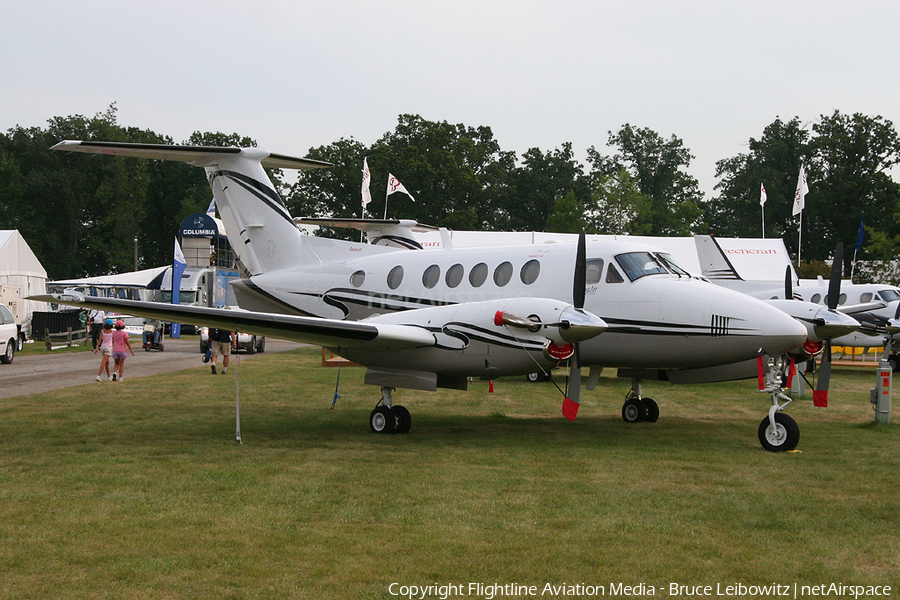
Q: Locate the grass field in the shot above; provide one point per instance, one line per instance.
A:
(138, 489)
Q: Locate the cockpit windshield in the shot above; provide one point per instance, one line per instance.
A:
(640, 264)
(889, 295)
(672, 264)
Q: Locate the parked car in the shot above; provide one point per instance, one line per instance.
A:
(9, 334)
(251, 344)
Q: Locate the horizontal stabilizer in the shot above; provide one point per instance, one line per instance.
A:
(195, 155)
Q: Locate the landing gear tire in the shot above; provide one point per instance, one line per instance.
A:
(634, 411)
(652, 409)
(402, 419)
(536, 377)
(783, 437)
(382, 420)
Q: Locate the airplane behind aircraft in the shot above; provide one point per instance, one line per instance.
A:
(875, 306)
(423, 320)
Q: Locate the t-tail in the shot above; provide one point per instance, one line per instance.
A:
(259, 226)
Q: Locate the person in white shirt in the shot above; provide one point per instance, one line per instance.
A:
(95, 319)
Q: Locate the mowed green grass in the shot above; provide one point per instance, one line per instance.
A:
(138, 489)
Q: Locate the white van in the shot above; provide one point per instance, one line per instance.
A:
(9, 334)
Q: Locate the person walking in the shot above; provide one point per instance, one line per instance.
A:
(95, 319)
(221, 341)
(121, 347)
(105, 348)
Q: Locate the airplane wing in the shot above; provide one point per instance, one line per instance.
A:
(312, 330)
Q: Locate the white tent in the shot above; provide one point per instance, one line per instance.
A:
(21, 275)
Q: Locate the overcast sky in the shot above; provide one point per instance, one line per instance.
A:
(295, 74)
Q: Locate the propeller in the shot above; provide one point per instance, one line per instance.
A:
(788, 284)
(820, 394)
(573, 399)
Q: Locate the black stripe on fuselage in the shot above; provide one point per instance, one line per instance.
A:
(377, 299)
(657, 328)
(264, 193)
(401, 241)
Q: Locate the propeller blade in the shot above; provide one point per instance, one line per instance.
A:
(820, 394)
(580, 278)
(573, 398)
(788, 283)
(578, 330)
(837, 269)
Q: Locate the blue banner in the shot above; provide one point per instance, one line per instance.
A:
(178, 266)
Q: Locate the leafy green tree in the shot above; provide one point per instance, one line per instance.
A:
(332, 192)
(617, 205)
(453, 172)
(567, 216)
(847, 159)
(849, 173)
(658, 166)
(535, 186)
(79, 215)
(774, 161)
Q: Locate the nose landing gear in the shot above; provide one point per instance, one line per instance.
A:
(778, 432)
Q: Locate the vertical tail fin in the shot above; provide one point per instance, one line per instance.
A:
(259, 226)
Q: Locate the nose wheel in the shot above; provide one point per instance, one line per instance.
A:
(778, 432)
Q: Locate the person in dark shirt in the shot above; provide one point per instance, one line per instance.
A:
(221, 341)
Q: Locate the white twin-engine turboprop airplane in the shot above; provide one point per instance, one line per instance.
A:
(424, 320)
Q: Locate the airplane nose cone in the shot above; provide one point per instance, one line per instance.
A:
(831, 324)
(782, 333)
(582, 325)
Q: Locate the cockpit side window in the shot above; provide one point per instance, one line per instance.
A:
(594, 271)
(613, 275)
(639, 264)
(888, 295)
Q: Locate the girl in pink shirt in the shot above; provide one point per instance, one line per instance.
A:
(121, 347)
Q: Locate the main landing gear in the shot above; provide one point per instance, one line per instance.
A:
(637, 408)
(389, 418)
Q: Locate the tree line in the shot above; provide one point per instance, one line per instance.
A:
(81, 214)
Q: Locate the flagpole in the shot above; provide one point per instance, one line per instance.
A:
(762, 204)
(764, 221)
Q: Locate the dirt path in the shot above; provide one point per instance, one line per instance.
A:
(33, 374)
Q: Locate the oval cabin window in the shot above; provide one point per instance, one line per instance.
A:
(395, 277)
(454, 275)
(431, 276)
(478, 275)
(503, 273)
(530, 272)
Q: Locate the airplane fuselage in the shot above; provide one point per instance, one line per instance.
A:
(656, 318)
